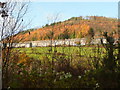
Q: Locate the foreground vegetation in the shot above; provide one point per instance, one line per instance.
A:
(62, 67)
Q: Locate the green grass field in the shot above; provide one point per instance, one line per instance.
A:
(39, 52)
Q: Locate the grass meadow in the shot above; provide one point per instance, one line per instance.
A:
(39, 52)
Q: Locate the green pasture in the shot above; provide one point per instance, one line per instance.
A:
(39, 52)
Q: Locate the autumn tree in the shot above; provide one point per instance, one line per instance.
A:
(73, 35)
(90, 35)
(91, 32)
(64, 35)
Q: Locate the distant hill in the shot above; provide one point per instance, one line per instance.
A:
(75, 27)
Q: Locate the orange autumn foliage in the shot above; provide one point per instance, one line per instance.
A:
(79, 27)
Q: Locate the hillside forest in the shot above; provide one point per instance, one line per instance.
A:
(75, 27)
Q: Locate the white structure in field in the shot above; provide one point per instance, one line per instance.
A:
(69, 42)
(83, 41)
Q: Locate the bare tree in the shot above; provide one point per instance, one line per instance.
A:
(50, 35)
(53, 20)
(11, 15)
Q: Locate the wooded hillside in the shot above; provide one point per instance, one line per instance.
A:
(75, 27)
